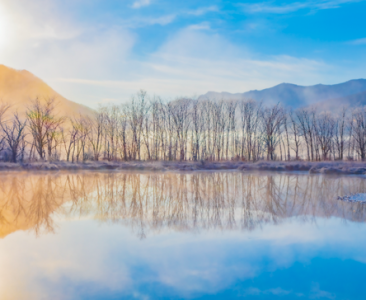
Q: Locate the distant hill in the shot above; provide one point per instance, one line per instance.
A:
(355, 100)
(19, 88)
(349, 93)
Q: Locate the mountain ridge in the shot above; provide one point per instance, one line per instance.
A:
(295, 96)
(19, 87)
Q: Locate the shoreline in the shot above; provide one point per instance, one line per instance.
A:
(331, 167)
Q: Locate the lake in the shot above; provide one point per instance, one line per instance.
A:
(203, 235)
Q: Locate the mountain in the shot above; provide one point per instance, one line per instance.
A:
(349, 93)
(355, 100)
(19, 88)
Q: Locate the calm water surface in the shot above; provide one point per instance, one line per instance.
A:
(222, 235)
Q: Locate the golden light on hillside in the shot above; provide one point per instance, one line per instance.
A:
(20, 88)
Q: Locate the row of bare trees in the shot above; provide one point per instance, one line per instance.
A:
(183, 129)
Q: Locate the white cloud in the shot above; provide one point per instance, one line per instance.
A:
(203, 10)
(140, 3)
(37, 20)
(193, 62)
(50, 45)
(148, 21)
(169, 18)
(358, 42)
(274, 292)
(163, 20)
(136, 22)
(317, 293)
(91, 54)
(40, 267)
(201, 26)
(268, 7)
(90, 63)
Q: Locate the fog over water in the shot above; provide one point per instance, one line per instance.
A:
(114, 235)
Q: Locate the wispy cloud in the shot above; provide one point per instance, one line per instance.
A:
(269, 7)
(140, 3)
(192, 63)
(317, 293)
(277, 292)
(98, 60)
(203, 10)
(200, 26)
(358, 42)
(147, 21)
(163, 20)
(167, 19)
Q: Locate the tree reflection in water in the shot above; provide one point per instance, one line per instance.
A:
(180, 201)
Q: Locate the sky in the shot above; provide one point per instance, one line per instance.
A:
(104, 51)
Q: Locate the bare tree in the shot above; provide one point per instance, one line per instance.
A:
(15, 137)
(3, 108)
(250, 113)
(296, 135)
(43, 125)
(359, 131)
(340, 128)
(272, 119)
(197, 128)
(95, 134)
(137, 111)
(69, 138)
(179, 110)
(324, 128)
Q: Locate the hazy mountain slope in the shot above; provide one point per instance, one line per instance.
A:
(355, 100)
(295, 96)
(19, 88)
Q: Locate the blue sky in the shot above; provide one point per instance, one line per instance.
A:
(104, 51)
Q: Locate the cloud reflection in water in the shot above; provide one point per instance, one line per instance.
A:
(170, 235)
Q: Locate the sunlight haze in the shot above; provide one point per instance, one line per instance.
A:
(104, 51)
(172, 150)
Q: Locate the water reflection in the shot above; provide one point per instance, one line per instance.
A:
(182, 202)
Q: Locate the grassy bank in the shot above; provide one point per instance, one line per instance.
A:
(332, 167)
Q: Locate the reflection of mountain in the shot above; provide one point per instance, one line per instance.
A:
(179, 201)
(27, 202)
(19, 88)
(350, 93)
